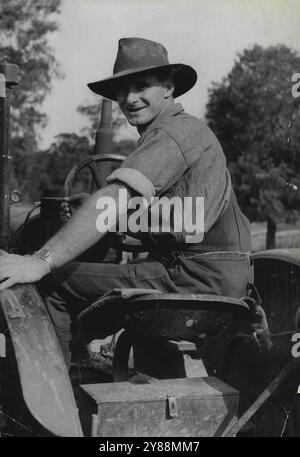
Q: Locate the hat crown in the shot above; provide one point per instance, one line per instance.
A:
(134, 53)
(137, 55)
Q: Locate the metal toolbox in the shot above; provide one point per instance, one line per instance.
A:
(186, 407)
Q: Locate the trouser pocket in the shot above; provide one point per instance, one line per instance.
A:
(214, 274)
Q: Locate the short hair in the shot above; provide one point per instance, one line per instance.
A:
(167, 74)
(164, 74)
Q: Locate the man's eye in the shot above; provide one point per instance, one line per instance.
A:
(120, 93)
(141, 86)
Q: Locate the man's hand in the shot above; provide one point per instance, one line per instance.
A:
(70, 204)
(16, 269)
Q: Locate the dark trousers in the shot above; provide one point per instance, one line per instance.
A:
(69, 290)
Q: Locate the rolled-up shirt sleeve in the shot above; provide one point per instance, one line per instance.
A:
(153, 167)
(135, 180)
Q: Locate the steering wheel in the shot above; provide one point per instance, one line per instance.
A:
(115, 239)
(90, 163)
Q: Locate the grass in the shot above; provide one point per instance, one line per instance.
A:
(280, 226)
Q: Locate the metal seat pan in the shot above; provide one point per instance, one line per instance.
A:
(182, 316)
(193, 301)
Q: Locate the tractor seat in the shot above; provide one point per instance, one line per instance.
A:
(151, 313)
(182, 316)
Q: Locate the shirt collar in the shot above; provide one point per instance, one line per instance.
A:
(172, 110)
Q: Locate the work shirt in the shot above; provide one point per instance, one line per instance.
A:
(179, 156)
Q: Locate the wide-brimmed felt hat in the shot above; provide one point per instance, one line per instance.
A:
(138, 55)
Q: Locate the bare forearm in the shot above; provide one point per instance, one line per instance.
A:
(81, 232)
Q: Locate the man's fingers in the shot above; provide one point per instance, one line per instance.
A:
(3, 274)
(65, 206)
(70, 204)
(4, 271)
(6, 284)
(9, 271)
(65, 216)
(21, 269)
(64, 212)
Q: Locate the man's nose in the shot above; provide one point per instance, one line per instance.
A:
(131, 97)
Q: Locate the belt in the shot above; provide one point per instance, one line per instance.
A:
(169, 257)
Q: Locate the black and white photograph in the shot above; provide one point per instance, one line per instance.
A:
(149, 221)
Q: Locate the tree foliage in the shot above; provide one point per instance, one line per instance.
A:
(44, 172)
(24, 30)
(67, 150)
(25, 27)
(257, 121)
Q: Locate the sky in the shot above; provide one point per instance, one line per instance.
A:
(206, 34)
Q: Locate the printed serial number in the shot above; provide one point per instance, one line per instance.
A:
(170, 446)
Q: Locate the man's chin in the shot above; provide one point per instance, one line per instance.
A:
(136, 122)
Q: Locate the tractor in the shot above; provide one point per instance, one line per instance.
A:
(177, 365)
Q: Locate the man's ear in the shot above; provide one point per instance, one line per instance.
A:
(169, 85)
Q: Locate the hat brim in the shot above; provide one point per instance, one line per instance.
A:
(185, 78)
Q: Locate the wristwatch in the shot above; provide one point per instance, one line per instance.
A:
(45, 255)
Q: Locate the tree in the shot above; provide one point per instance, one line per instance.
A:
(256, 119)
(24, 29)
(46, 171)
(66, 151)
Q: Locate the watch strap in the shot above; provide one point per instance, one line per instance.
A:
(45, 255)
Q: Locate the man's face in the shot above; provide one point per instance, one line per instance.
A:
(142, 98)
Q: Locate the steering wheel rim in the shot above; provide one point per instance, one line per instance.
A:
(86, 163)
(114, 240)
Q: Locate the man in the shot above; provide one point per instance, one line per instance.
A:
(177, 156)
